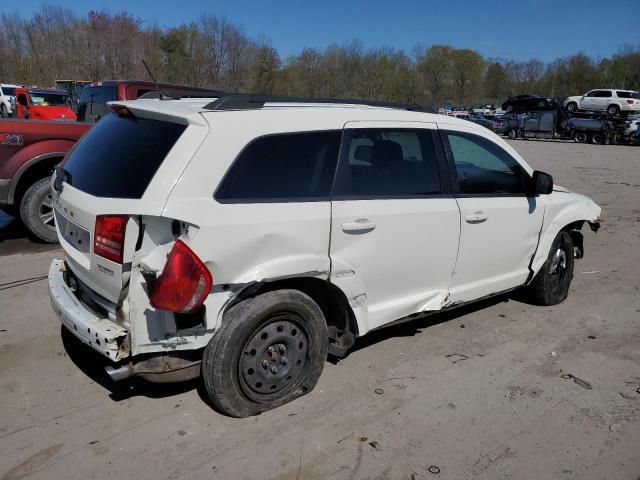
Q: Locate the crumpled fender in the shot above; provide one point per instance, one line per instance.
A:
(562, 208)
(291, 266)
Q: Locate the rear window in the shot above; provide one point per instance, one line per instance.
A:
(623, 94)
(119, 156)
(92, 104)
(283, 167)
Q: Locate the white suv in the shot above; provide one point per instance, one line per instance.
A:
(612, 101)
(7, 99)
(242, 238)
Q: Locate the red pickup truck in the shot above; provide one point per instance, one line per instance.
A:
(29, 152)
(42, 104)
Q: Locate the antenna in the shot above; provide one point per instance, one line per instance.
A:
(163, 95)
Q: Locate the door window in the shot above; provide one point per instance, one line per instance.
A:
(283, 167)
(22, 100)
(603, 93)
(389, 162)
(482, 167)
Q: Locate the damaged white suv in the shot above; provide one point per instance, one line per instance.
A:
(243, 238)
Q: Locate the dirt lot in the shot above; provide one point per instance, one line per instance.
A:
(477, 393)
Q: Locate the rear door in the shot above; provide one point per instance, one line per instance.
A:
(109, 173)
(395, 225)
(500, 224)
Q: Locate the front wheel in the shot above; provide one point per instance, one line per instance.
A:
(551, 284)
(36, 211)
(572, 106)
(3, 112)
(269, 351)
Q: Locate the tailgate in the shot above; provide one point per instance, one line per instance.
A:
(124, 167)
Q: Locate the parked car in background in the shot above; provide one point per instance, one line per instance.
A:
(632, 125)
(29, 151)
(7, 99)
(493, 125)
(92, 104)
(612, 101)
(42, 104)
(526, 102)
(241, 239)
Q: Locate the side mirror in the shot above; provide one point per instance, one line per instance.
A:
(541, 183)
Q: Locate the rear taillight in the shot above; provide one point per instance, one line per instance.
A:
(108, 239)
(184, 283)
(630, 102)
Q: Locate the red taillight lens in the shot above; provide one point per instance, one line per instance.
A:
(108, 239)
(184, 283)
(630, 102)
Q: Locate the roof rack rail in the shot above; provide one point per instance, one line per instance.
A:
(241, 101)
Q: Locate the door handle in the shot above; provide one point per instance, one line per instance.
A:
(476, 217)
(362, 225)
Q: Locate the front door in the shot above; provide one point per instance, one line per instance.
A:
(500, 224)
(395, 226)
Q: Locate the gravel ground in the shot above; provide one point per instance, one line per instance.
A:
(475, 393)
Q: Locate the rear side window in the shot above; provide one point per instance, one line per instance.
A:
(283, 167)
(623, 94)
(92, 104)
(389, 162)
(119, 156)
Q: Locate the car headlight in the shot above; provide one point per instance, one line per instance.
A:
(12, 101)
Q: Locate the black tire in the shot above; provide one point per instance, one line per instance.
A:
(36, 211)
(613, 110)
(243, 376)
(572, 106)
(551, 284)
(512, 134)
(597, 139)
(580, 137)
(3, 111)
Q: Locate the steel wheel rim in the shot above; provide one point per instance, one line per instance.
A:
(274, 357)
(558, 269)
(45, 212)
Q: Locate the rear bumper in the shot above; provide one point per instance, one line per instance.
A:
(101, 334)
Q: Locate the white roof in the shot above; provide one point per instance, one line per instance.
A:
(332, 115)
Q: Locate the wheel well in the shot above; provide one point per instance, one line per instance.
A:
(35, 172)
(341, 321)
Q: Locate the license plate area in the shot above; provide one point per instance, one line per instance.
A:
(78, 237)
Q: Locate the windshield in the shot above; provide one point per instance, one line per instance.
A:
(43, 99)
(9, 91)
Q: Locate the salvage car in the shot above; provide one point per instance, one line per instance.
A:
(318, 222)
(7, 99)
(612, 101)
(526, 102)
(94, 97)
(42, 104)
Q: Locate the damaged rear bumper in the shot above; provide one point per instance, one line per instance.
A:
(111, 340)
(101, 334)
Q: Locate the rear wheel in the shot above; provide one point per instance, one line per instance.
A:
(613, 110)
(269, 351)
(597, 138)
(551, 284)
(512, 134)
(36, 211)
(580, 137)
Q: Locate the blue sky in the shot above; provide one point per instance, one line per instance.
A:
(519, 30)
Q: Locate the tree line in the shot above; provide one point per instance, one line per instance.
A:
(213, 52)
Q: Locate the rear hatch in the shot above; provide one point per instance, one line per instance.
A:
(122, 170)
